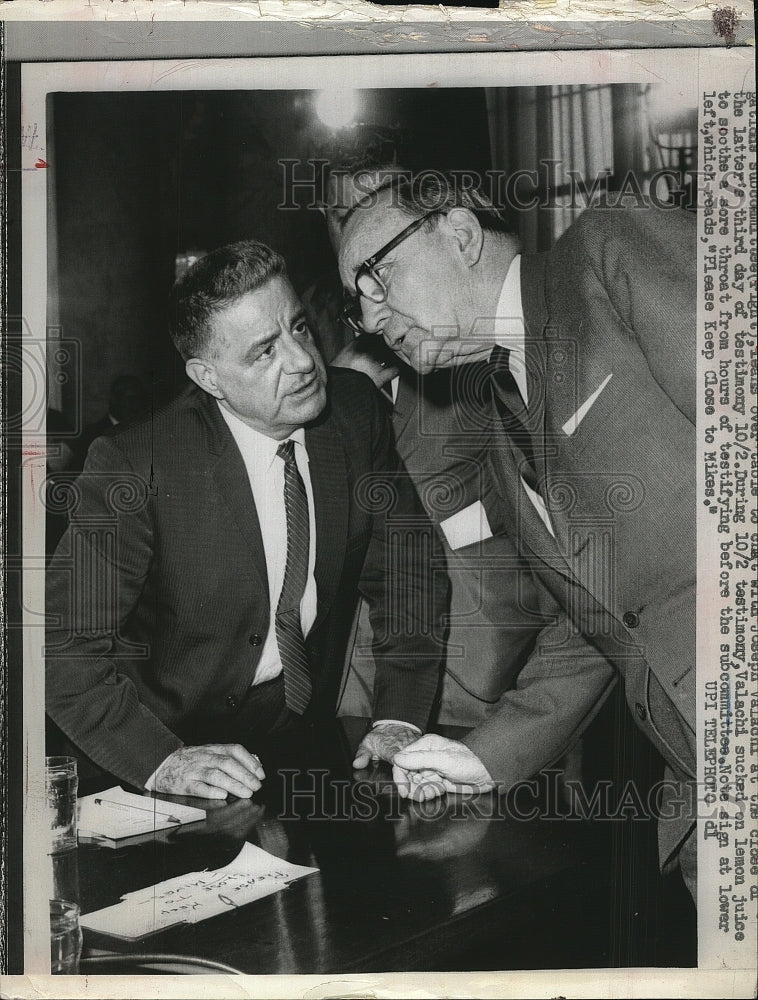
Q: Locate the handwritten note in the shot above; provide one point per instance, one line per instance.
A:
(196, 896)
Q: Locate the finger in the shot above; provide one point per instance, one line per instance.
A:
(203, 790)
(402, 782)
(418, 760)
(236, 771)
(459, 789)
(220, 778)
(432, 787)
(428, 790)
(368, 749)
(425, 775)
(423, 792)
(248, 760)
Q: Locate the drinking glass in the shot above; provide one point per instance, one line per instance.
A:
(61, 784)
(65, 938)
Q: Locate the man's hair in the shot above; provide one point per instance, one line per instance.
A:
(367, 170)
(430, 190)
(213, 283)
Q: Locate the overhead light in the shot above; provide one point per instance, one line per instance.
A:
(337, 108)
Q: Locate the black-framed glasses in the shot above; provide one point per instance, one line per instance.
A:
(368, 284)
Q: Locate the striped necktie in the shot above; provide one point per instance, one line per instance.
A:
(289, 629)
(513, 413)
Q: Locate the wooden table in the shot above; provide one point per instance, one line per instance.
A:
(449, 885)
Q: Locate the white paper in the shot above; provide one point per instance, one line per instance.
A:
(196, 896)
(115, 813)
(467, 526)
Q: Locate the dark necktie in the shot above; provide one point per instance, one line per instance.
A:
(289, 629)
(510, 407)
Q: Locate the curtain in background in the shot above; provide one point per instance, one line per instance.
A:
(594, 131)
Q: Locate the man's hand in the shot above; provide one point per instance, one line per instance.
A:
(435, 764)
(368, 354)
(211, 772)
(382, 743)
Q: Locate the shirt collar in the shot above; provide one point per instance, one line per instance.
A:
(509, 318)
(509, 324)
(259, 447)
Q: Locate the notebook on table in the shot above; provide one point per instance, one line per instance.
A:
(114, 817)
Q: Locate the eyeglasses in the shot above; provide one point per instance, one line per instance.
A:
(368, 284)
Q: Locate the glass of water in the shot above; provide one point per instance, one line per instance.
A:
(65, 938)
(61, 784)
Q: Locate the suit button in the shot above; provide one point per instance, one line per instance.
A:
(631, 619)
(255, 639)
(641, 713)
(231, 701)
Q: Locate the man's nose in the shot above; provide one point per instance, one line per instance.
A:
(375, 315)
(297, 357)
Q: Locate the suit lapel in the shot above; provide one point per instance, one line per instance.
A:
(233, 483)
(326, 458)
(405, 404)
(535, 347)
(529, 527)
(558, 377)
(551, 381)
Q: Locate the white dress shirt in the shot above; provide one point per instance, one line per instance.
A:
(510, 332)
(265, 470)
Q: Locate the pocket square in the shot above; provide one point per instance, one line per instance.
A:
(573, 421)
(467, 526)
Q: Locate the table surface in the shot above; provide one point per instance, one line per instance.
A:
(454, 884)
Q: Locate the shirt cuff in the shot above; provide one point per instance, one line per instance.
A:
(396, 722)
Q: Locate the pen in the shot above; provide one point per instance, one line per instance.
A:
(123, 806)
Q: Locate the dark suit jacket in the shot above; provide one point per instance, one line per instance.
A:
(610, 317)
(94, 430)
(158, 600)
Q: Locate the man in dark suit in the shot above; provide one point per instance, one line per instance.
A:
(128, 400)
(200, 603)
(592, 354)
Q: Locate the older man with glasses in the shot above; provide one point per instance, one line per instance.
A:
(443, 434)
(591, 349)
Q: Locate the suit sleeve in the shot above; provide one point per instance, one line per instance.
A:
(559, 691)
(93, 584)
(405, 583)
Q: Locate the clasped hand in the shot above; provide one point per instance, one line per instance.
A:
(426, 767)
(433, 765)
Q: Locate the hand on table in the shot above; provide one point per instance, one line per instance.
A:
(435, 765)
(383, 742)
(365, 354)
(210, 772)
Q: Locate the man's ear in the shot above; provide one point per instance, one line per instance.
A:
(467, 232)
(203, 373)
